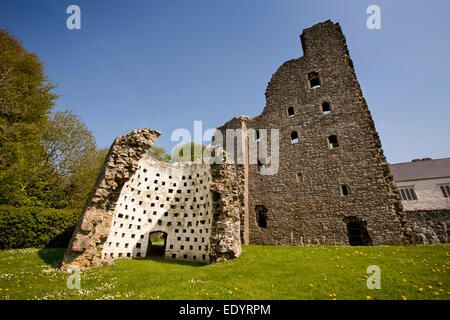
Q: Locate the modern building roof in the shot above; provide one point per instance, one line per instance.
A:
(420, 169)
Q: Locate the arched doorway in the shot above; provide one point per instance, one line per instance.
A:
(156, 247)
(357, 232)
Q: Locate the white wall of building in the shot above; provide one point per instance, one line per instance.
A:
(429, 195)
(162, 197)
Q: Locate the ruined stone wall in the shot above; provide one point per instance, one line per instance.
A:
(93, 227)
(304, 199)
(241, 170)
(173, 198)
(303, 202)
(136, 196)
(226, 209)
(430, 226)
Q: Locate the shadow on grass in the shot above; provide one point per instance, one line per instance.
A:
(177, 262)
(53, 252)
(52, 256)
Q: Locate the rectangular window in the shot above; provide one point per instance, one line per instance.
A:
(258, 137)
(294, 137)
(314, 80)
(290, 111)
(408, 194)
(345, 190)
(326, 107)
(445, 190)
(333, 142)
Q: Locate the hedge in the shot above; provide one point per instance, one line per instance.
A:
(36, 227)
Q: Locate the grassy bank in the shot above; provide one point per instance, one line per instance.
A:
(262, 272)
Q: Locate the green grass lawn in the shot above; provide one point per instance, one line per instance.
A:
(262, 272)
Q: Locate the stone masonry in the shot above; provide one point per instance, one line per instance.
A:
(194, 205)
(430, 226)
(334, 177)
(333, 185)
(93, 227)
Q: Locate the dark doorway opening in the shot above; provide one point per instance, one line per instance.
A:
(357, 232)
(261, 217)
(156, 247)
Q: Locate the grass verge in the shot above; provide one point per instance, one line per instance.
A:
(262, 272)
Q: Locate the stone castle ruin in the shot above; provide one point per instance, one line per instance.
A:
(333, 185)
(194, 206)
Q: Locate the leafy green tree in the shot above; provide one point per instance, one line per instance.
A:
(188, 152)
(71, 154)
(46, 159)
(66, 142)
(160, 154)
(25, 102)
(76, 189)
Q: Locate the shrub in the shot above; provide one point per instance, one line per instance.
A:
(26, 227)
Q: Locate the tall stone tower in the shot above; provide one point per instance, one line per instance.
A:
(333, 185)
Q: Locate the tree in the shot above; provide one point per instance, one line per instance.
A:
(25, 102)
(71, 154)
(159, 153)
(66, 141)
(45, 159)
(188, 152)
(75, 190)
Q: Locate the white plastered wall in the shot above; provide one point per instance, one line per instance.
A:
(163, 197)
(429, 195)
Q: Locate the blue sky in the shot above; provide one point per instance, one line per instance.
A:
(163, 64)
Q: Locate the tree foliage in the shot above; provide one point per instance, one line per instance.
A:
(25, 102)
(188, 152)
(26, 227)
(159, 153)
(46, 159)
(66, 141)
(71, 155)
